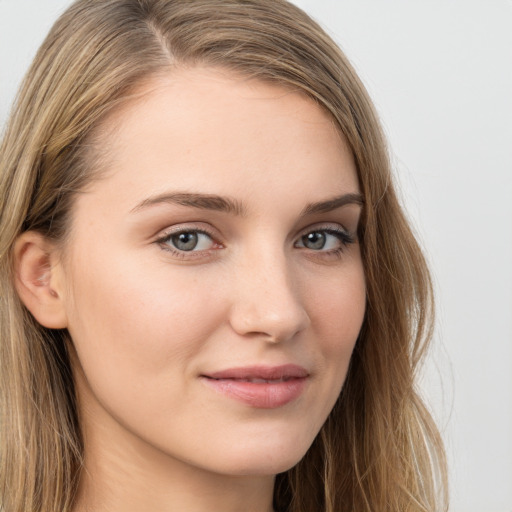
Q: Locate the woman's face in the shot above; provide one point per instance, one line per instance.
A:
(213, 283)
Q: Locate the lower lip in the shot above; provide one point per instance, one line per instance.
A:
(264, 395)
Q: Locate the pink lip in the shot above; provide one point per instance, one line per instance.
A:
(264, 387)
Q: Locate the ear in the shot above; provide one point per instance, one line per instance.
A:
(38, 279)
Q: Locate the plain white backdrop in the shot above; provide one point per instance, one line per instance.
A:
(440, 74)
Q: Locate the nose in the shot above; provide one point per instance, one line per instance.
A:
(266, 300)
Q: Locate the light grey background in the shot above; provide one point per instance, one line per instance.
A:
(440, 73)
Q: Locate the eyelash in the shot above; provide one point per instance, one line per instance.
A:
(344, 238)
(164, 245)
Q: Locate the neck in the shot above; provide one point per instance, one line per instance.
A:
(124, 473)
(130, 489)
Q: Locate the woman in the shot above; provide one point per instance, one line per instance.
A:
(212, 299)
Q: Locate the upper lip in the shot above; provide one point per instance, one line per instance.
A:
(285, 371)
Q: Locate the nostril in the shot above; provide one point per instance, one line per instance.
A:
(267, 302)
(272, 325)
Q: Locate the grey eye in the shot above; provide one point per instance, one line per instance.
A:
(188, 241)
(185, 241)
(315, 241)
(325, 240)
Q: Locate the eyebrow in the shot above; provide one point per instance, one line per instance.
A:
(194, 200)
(333, 204)
(233, 206)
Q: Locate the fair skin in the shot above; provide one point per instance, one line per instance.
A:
(168, 293)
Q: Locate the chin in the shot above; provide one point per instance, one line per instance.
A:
(263, 460)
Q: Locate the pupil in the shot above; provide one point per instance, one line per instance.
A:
(314, 240)
(185, 241)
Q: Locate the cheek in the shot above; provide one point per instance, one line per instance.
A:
(133, 321)
(337, 317)
(137, 336)
(338, 310)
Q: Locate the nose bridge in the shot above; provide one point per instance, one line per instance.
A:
(267, 299)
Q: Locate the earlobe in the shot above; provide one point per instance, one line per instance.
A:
(37, 279)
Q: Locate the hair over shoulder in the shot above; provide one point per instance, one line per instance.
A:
(379, 449)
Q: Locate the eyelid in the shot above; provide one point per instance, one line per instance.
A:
(184, 227)
(334, 227)
(344, 236)
(164, 236)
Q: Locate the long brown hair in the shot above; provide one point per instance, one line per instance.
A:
(379, 449)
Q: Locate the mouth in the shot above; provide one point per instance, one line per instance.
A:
(256, 380)
(263, 387)
(261, 373)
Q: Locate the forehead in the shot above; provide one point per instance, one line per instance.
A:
(226, 134)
